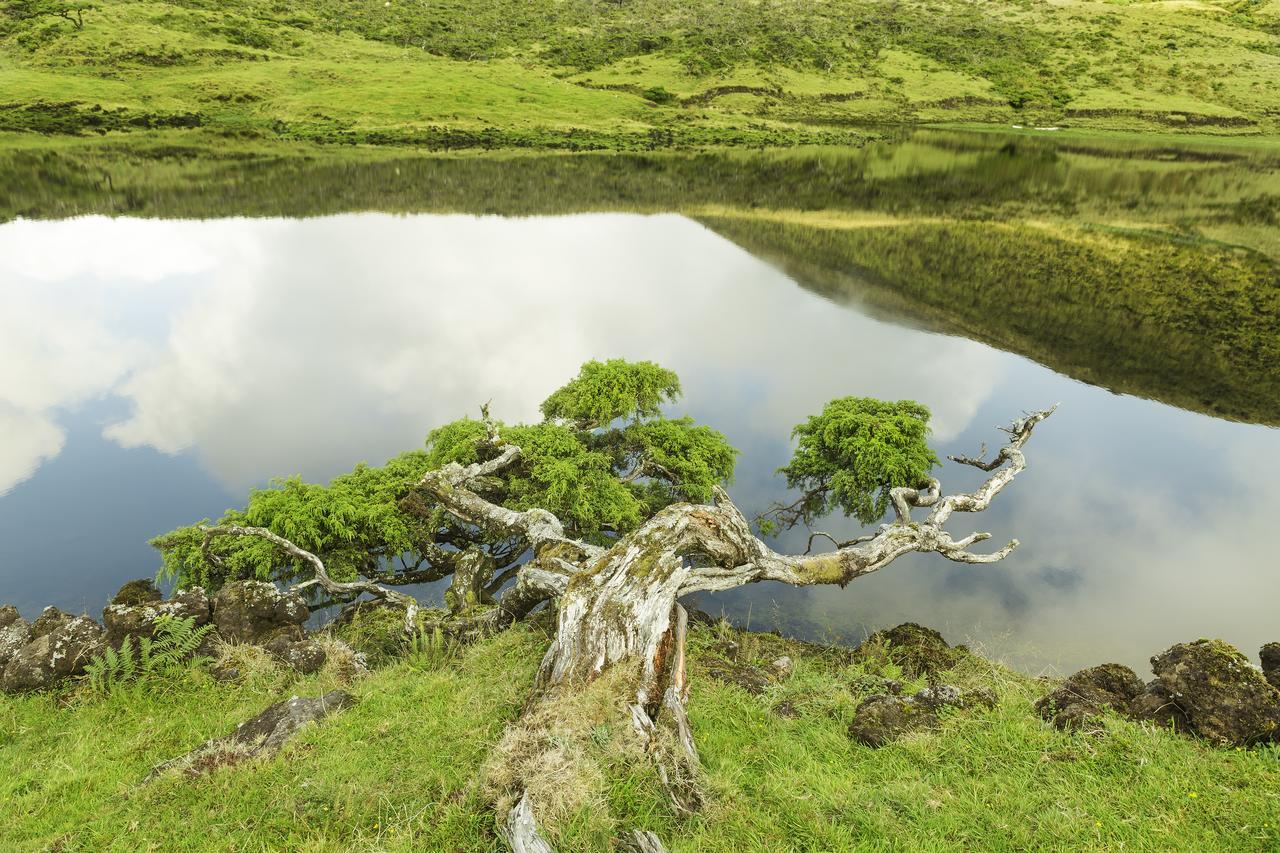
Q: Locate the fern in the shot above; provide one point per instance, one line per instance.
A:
(144, 658)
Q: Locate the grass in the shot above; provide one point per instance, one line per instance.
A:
(403, 770)
(636, 73)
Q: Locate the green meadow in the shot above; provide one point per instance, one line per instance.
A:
(586, 74)
(405, 768)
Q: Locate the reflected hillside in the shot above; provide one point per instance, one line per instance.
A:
(1191, 324)
(1147, 268)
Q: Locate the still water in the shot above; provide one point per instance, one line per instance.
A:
(152, 371)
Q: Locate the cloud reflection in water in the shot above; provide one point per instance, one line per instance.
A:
(267, 347)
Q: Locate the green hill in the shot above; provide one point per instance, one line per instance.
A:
(634, 73)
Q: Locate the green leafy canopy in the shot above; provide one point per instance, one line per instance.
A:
(604, 460)
(848, 457)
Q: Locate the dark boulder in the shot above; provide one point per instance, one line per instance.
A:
(1088, 693)
(885, 718)
(56, 655)
(49, 619)
(1155, 705)
(140, 620)
(141, 591)
(261, 736)
(305, 655)
(15, 632)
(918, 650)
(254, 612)
(1226, 700)
(1270, 656)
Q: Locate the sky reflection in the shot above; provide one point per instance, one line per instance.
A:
(152, 371)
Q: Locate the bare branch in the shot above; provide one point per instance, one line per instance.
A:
(449, 486)
(341, 590)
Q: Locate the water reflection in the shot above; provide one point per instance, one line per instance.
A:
(152, 380)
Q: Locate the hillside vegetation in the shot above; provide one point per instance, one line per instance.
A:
(403, 769)
(634, 73)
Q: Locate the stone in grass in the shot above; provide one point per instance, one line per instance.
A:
(260, 737)
(305, 655)
(1227, 701)
(64, 645)
(918, 650)
(885, 718)
(1090, 692)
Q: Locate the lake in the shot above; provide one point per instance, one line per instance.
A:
(177, 331)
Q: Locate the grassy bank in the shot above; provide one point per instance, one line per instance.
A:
(403, 769)
(586, 74)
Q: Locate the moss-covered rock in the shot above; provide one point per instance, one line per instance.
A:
(1155, 705)
(1090, 692)
(15, 632)
(919, 651)
(1225, 698)
(141, 619)
(49, 619)
(254, 611)
(59, 653)
(140, 591)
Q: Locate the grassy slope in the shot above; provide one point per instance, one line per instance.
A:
(400, 771)
(586, 73)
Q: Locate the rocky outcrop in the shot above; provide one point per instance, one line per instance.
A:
(123, 620)
(1089, 693)
(260, 737)
(918, 650)
(1270, 655)
(1225, 699)
(884, 718)
(1205, 687)
(49, 619)
(256, 612)
(59, 647)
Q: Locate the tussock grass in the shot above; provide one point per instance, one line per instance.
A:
(405, 768)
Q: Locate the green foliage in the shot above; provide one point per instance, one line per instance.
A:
(855, 451)
(372, 521)
(355, 522)
(692, 458)
(560, 472)
(144, 658)
(604, 392)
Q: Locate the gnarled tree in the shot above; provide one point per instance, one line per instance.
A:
(609, 513)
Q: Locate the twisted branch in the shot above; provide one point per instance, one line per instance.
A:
(340, 590)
